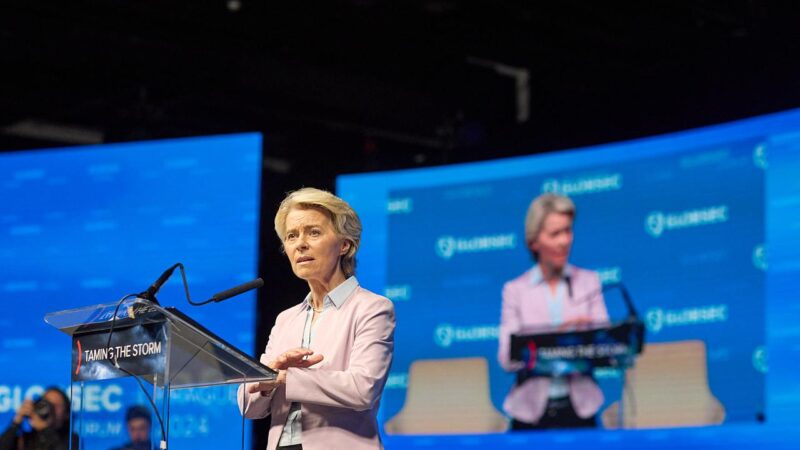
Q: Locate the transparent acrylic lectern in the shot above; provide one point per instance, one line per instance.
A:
(166, 351)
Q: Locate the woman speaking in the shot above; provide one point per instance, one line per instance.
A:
(554, 295)
(333, 350)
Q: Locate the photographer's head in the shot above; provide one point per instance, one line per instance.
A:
(60, 403)
(51, 410)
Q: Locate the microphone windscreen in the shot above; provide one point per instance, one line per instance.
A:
(236, 290)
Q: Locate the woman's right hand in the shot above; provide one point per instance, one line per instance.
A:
(266, 387)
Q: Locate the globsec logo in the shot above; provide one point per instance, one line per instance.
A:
(609, 275)
(760, 156)
(654, 224)
(400, 205)
(760, 257)
(446, 246)
(658, 318)
(585, 185)
(449, 246)
(11, 397)
(445, 335)
(657, 222)
(97, 398)
(760, 359)
(400, 292)
(655, 319)
(89, 398)
(397, 380)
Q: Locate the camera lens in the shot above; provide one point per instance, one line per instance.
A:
(42, 408)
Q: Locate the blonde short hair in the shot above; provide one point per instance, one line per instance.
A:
(345, 220)
(540, 208)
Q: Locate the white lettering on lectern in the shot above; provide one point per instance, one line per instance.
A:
(122, 351)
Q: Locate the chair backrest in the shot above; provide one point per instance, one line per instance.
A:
(448, 396)
(668, 387)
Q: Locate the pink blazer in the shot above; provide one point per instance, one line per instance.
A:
(524, 307)
(340, 395)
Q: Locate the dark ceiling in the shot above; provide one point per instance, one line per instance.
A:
(349, 86)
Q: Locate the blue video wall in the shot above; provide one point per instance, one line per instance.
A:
(87, 225)
(700, 226)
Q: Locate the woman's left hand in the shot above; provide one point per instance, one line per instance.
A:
(266, 387)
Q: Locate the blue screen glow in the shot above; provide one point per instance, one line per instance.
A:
(87, 225)
(701, 226)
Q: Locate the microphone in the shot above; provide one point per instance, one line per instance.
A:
(236, 290)
(150, 293)
(626, 296)
(568, 279)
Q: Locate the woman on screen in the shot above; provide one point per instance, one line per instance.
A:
(332, 350)
(555, 295)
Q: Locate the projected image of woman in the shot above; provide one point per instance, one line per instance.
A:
(553, 294)
(334, 349)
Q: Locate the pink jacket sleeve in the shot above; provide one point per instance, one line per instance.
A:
(257, 406)
(360, 385)
(509, 324)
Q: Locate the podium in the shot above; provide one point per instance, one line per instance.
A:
(552, 352)
(163, 350)
(555, 353)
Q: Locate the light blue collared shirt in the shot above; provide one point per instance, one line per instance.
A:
(293, 429)
(559, 387)
(555, 301)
